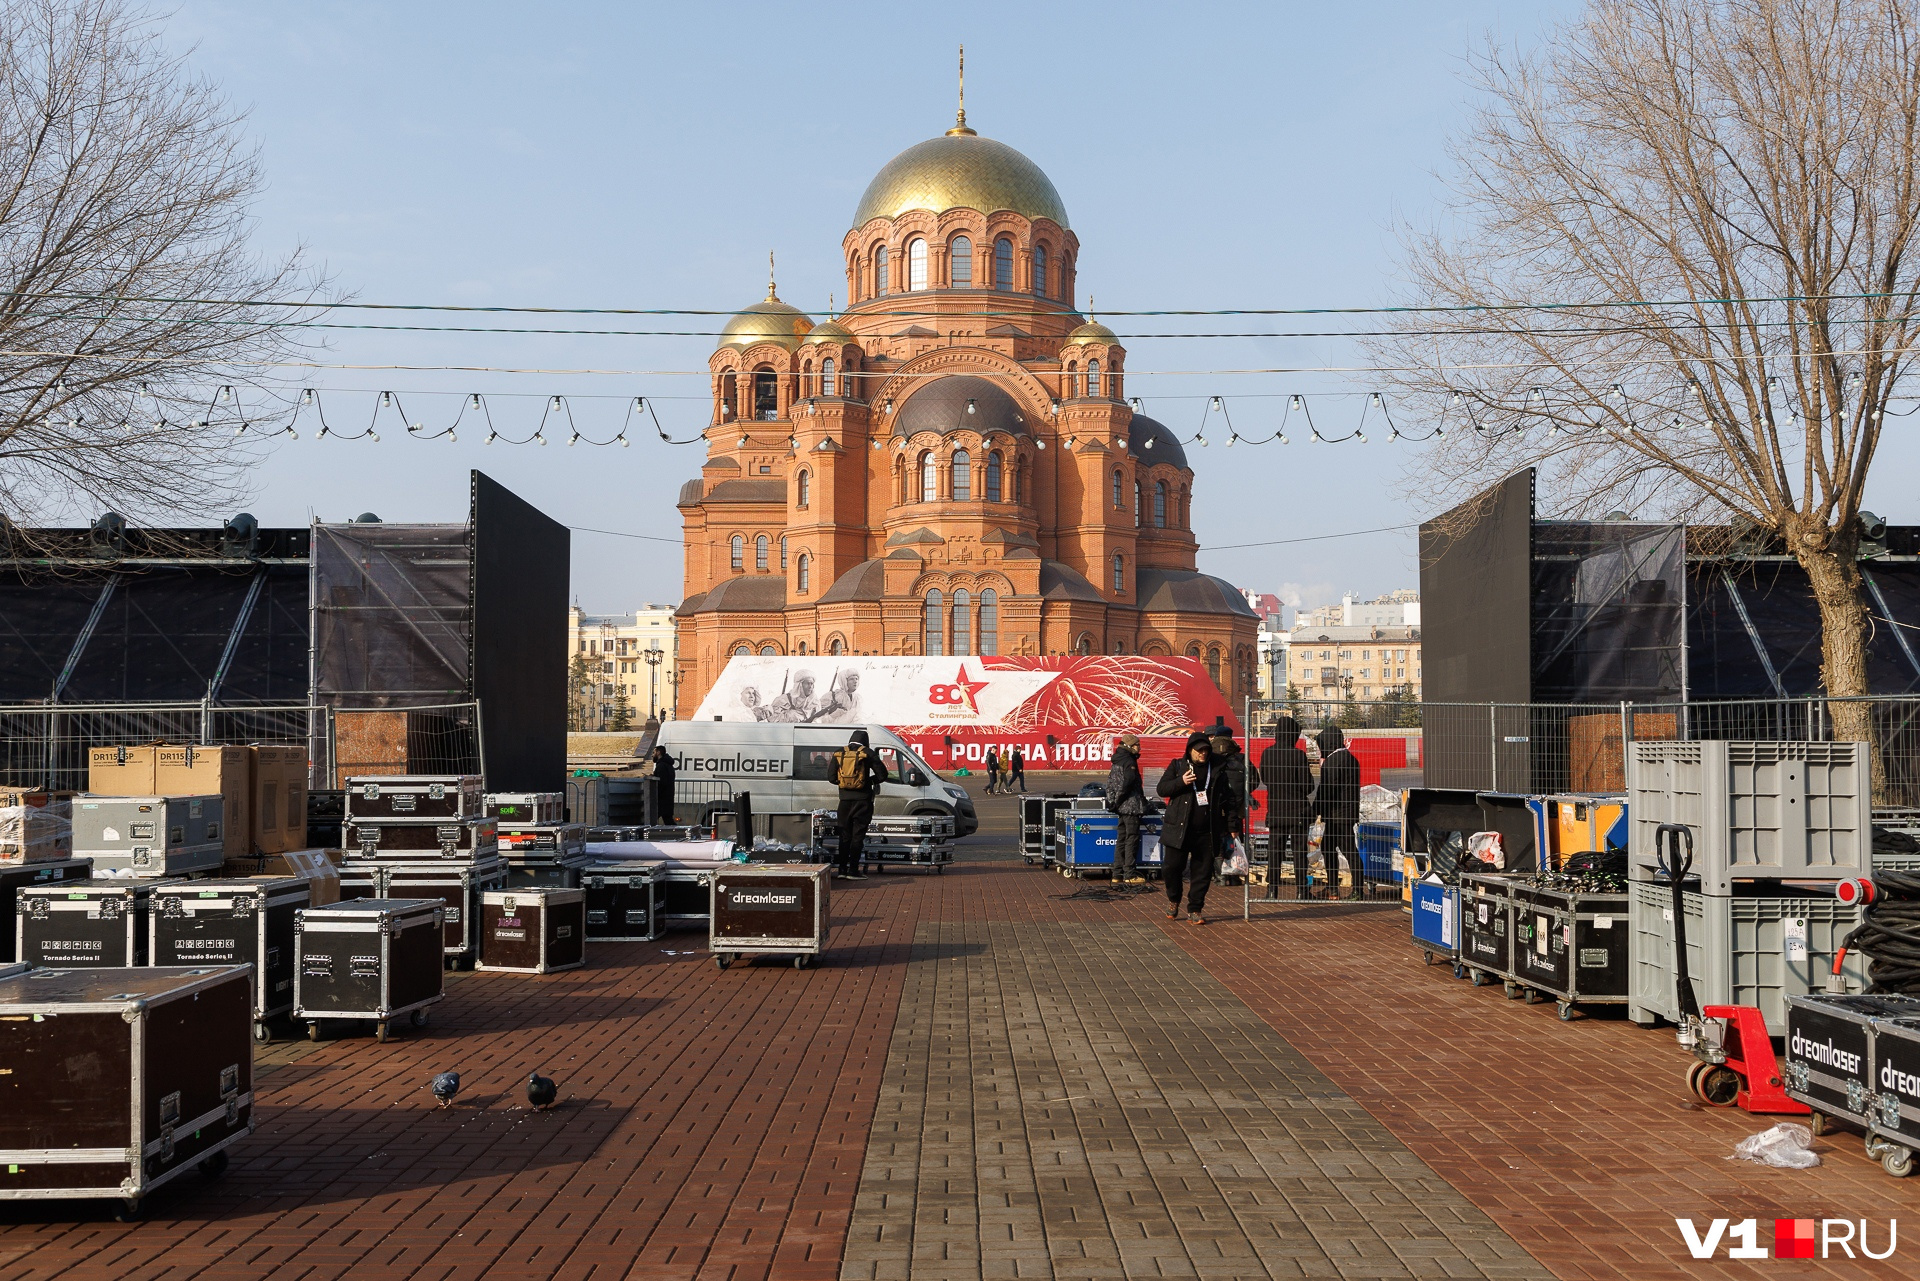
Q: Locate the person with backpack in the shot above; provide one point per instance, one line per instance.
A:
(1128, 800)
(993, 769)
(1336, 803)
(858, 772)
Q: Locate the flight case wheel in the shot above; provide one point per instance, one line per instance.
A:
(419, 1017)
(380, 1031)
(1533, 996)
(720, 959)
(216, 1165)
(1565, 1010)
(1429, 956)
(1512, 990)
(313, 1030)
(1896, 1160)
(1478, 978)
(1459, 970)
(1819, 1124)
(127, 1210)
(262, 1034)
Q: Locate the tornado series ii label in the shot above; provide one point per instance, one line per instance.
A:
(758, 899)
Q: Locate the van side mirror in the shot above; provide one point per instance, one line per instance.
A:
(916, 779)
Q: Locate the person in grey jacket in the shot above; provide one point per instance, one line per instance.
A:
(1128, 800)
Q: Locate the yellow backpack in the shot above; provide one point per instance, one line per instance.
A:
(850, 769)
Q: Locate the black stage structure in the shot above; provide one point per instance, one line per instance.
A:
(418, 647)
(1671, 619)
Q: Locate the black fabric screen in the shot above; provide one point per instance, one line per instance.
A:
(391, 614)
(519, 639)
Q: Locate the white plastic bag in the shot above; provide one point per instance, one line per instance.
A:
(1785, 1147)
(1485, 847)
(1236, 862)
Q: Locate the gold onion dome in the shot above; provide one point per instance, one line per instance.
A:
(769, 320)
(961, 170)
(1091, 332)
(830, 331)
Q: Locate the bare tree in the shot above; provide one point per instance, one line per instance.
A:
(1746, 174)
(128, 296)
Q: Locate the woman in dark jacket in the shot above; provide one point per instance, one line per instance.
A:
(1195, 826)
(1336, 803)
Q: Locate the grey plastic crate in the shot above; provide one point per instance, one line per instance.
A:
(1737, 952)
(1759, 811)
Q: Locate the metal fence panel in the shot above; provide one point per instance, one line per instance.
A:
(46, 746)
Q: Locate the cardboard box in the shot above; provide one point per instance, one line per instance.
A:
(319, 868)
(167, 770)
(279, 798)
(35, 827)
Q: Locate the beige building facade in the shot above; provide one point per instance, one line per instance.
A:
(1366, 662)
(615, 654)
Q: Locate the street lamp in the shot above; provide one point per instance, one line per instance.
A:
(653, 657)
(673, 683)
(1274, 653)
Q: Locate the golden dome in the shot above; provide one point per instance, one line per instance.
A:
(1091, 332)
(961, 170)
(830, 331)
(769, 320)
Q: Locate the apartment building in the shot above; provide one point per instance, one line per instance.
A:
(622, 663)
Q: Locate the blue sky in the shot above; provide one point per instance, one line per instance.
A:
(621, 155)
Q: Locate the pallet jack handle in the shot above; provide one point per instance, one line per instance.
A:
(1673, 852)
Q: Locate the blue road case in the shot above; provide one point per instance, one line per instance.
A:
(1436, 921)
(1088, 838)
(1380, 851)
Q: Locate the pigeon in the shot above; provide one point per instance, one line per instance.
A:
(541, 1092)
(445, 1086)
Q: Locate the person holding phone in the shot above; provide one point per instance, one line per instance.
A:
(1195, 826)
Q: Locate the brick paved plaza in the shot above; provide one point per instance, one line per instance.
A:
(995, 1073)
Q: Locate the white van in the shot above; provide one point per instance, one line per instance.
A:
(788, 767)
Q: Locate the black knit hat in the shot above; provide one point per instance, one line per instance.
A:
(1199, 739)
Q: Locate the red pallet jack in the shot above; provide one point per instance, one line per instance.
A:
(1734, 1064)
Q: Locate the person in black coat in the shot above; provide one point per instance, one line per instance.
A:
(1336, 803)
(663, 770)
(1128, 801)
(1288, 776)
(993, 769)
(1195, 827)
(864, 769)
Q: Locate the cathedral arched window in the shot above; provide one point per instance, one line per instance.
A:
(859, 278)
(989, 621)
(1084, 645)
(803, 488)
(769, 651)
(728, 390)
(880, 285)
(935, 625)
(739, 552)
(766, 394)
(1137, 508)
(916, 264)
(1213, 664)
(993, 476)
(962, 476)
(962, 621)
(1159, 504)
(1119, 488)
(828, 384)
(760, 552)
(1020, 482)
(835, 646)
(929, 479)
(783, 553)
(1186, 509)
(960, 262)
(743, 650)
(899, 479)
(1040, 270)
(806, 573)
(1119, 574)
(1066, 286)
(1003, 263)
(1093, 378)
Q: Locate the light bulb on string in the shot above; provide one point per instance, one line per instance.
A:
(639, 404)
(490, 437)
(624, 443)
(386, 400)
(971, 407)
(306, 396)
(1217, 407)
(451, 438)
(1133, 403)
(553, 405)
(323, 432)
(226, 394)
(743, 440)
(373, 436)
(539, 439)
(473, 401)
(241, 430)
(573, 438)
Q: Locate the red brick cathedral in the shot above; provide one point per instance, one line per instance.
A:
(949, 467)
